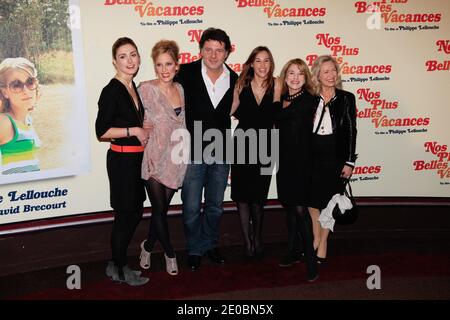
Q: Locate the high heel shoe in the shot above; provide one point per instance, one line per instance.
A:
(171, 265)
(312, 277)
(145, 257)
(320, 260)
(290, 258)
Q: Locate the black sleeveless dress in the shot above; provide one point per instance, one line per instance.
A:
(247, 182)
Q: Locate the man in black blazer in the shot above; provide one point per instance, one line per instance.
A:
(208, 85)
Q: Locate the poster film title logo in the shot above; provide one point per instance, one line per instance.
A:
(366, 173)
(274, 10)
(378, 106)
(386, 11)
(443, 46)
(340, 51)
(440, 164)
(390, 14)
(194, 35)
(147, 8)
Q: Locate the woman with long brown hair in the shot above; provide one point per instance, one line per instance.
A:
(252, 106)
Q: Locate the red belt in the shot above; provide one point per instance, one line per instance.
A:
(117, 148)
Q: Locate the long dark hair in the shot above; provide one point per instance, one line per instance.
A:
(248, 73)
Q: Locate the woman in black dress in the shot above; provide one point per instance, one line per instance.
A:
(294, 122)
(250, 177)
(334, 142)
(119, 121)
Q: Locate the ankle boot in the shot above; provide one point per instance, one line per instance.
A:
(171, 265)
(111, 270)
(128, 276)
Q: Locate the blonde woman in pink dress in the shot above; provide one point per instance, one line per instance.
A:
(162, 168)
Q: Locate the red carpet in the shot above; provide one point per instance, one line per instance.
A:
(238, 275)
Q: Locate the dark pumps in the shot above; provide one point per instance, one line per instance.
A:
(194, 262)
(215, 256)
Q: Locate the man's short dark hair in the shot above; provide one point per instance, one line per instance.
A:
(218, 35)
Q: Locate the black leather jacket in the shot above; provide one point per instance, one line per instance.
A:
(343, 118)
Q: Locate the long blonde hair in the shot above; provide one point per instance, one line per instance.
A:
(315, 70)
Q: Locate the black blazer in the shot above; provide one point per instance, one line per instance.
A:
(199, 106)
(116, 110)
(343, 118)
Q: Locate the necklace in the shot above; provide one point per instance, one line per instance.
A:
(292, 97)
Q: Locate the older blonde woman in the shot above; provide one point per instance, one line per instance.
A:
(334, 142)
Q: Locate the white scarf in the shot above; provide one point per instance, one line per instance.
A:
(326, 215)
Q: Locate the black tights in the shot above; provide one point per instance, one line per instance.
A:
(251, 216)
(160, 197)
(124, 225)
(295, 242)
(300, 227)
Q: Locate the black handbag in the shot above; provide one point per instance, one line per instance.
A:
(351, 215)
